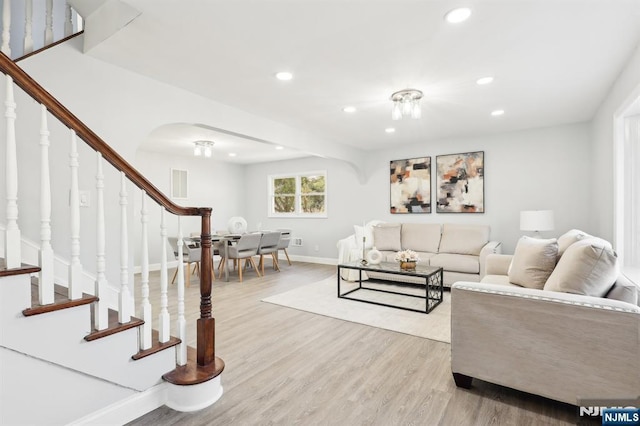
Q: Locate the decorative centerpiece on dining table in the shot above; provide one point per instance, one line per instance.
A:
(407, 259)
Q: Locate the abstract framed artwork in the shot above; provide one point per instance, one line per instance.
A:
(460, 183)
(410, 190)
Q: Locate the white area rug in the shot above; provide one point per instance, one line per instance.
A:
(322, 298)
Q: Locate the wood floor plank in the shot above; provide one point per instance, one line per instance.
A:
(288, 367)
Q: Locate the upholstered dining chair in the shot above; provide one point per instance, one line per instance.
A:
(269, 245)
(191, 254)
(283, 245)
(244, 249)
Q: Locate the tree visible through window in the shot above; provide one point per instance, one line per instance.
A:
(298, 195)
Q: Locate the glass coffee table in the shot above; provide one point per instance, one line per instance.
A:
(431, 291)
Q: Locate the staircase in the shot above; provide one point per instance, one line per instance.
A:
(75, 346)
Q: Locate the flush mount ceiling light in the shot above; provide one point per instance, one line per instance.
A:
(497, 112)
(406, 103)
(390, 130)
(284, 75)
(279, 147)
(232, 154)
(456, 16)
(484, 80)
(203, 147)
(349, 109)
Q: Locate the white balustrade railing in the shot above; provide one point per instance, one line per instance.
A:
(46, 251)
(56, 25)
(12, 250)
(145, 305)
(75, 266)
(101, 320)
(76, 274)
(27, 44)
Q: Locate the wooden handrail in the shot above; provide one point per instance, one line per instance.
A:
(40, 95)
(48, 46)
(208, 365)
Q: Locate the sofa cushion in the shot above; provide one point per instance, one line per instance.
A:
(463, 239)
(625, 291)
(456, 262)
(386, 236)
(422, 237)
(587, 267)
(533, 262)
(389, 256)
(497, 279)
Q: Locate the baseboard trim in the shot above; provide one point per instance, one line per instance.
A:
(312, 259)
(127, 409)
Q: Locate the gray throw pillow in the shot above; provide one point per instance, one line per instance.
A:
(387, 237)
(533, 262)
(588, 267)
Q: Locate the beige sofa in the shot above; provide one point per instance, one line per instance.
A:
(567, 347)
(459, 249)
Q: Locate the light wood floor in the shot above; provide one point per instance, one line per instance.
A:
(286, 367)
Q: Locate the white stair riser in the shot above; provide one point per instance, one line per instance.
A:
(58, 337)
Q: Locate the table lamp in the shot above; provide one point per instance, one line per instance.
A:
(536, 221)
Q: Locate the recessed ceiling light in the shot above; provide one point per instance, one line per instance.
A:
(232, 154)
(390, 130)
(279, 147)
(284, 76)
(458, 15)
(349, 109)
(497, 112)
(484, 80)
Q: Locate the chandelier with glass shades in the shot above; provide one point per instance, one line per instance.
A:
(406, 103)
(203, 148)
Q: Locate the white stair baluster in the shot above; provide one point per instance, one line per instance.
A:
(181, 353)
(145, 305)
(12, 251)
(68, 21)
(163, 319)
(6, 28)
(48, 29)
(124, 301)
(46, 251)
(75, 267)
(28, 27)
(101, 313)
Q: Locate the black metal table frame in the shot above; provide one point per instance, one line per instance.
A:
(428, 275)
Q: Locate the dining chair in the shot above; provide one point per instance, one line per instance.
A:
(244, 249)
(285, 239)
(191, 254)
(269, 245)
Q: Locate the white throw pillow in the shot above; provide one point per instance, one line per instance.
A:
(387, 237)
(367, 232)
(533, 262)
(568, 238)
(588, 267)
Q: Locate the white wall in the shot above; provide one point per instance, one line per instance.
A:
(602, 146)
(212, 183)
(534, 169)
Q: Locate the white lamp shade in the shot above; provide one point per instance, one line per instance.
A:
(536, 220)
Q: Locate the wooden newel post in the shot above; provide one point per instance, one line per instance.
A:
(206, 323)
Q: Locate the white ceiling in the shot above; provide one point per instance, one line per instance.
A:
(553, 61)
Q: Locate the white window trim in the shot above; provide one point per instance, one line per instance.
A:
(619, 199)
(298, 196)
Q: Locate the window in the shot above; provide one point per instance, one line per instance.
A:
(298, 195)
(627, 187)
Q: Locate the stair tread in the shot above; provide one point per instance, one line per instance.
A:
(192, 373)
(24, 269)
(156, 346)
(61, 301)
(113, 327)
